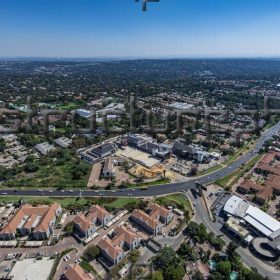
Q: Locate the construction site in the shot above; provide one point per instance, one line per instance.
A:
(156, 171)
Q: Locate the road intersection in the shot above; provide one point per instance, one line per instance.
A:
(157, 189)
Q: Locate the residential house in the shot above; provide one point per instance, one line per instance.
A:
(44, 148)
(160, 213)
(84, 227)
(99, 215)
(264, 195)
(249, 186)
(126, 238)
(75, 272)
(265, 169)
(111, 252)
(123, 239)
(149, 224)
(273, 181)
(37, 222)
(268, 158)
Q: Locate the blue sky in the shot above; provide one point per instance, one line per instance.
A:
(179, 28)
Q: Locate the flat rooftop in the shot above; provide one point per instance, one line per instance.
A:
(32, 269)
(141, 157)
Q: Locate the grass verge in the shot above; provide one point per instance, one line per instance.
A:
(229, 180)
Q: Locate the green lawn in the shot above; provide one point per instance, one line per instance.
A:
(45, 200)
(87, 267)
(69, 106)
(158, 182)
(228, 181)
(241, 151)
(210, 170)
(70, 201)
(121, 202)
(179, 199)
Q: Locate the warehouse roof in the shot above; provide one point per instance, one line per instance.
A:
(236, 206)
(263, 222)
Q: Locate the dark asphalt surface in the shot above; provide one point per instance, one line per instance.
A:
(200, 210)
(153, 190)
(202, 216)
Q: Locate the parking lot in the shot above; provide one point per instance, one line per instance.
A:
(5, 267)
(139, 156)
(219, 204)
(32, 269)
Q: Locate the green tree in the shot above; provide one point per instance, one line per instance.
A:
(218, 243)
(215, 276)
(134, 255)
(2, 145)
(197, 275)
(31, 167)
(174, 272)
(69, 228)
(224, 267)
(79, 170)
(157, 275)
(231, 251)
(91, 253)
(187, 252)
(170, 264)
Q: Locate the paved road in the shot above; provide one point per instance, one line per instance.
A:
(201, 216)
(158, 189)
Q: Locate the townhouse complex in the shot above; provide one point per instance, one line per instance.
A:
(37, 222)
(113, 249)
(86, 225)
(154, 220)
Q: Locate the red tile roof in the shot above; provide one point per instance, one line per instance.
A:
(251, 185)
(83, 222)
(157, 210)
(111, 249)
(124, 234)
(96, 211)
(273, 181)
(267, 158)
(75, 272)
(144, 217)
(264, 194)
(45, 215)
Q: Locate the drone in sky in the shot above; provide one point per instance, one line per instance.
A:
(144, 7)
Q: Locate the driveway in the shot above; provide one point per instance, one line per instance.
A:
(202, 216)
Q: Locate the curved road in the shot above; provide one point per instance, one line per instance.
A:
(158, 189)
(176, 187)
